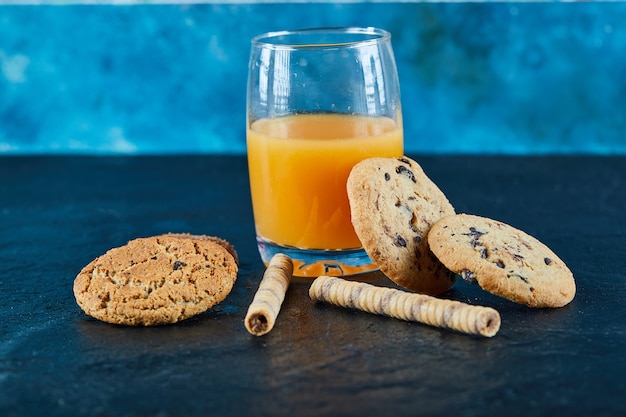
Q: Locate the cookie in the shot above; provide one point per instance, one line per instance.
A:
(503, 260)
(393, 205)
(155, 280)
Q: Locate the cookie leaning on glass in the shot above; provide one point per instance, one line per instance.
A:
(156, 280)
(393, 204)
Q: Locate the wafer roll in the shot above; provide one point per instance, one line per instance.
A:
(269, 297)
(449, 314)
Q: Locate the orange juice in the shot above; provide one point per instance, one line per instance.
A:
(299, 166)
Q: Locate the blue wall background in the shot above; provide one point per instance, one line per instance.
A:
(510, 78)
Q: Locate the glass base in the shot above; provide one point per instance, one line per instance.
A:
(313, 263)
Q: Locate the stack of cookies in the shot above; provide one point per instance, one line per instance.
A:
(411, 231)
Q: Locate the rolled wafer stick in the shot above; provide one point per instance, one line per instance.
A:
(269, 297)
(454, 315)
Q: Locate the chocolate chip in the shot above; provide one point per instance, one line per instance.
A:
(413, 224)
(548, 261)
(475, 234)
(406, 161)
(178, 265)
(499, 264)
(520, 277)
(417, 239)
(400, 241)
(405, 171)
(387, 176)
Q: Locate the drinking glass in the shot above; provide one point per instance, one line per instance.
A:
(318, 101)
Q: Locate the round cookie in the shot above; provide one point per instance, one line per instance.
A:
(393, 205)
(503, 260)
(155, 280)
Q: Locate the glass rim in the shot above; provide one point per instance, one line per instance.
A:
(370, 35)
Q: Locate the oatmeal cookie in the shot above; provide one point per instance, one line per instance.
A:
(156, 280)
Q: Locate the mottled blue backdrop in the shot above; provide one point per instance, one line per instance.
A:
(475, 77)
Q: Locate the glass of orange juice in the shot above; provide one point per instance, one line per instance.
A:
(318, 101)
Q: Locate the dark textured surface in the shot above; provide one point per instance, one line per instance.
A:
(58, 213)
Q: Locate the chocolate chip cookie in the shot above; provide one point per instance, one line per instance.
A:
(393, 205)
(156, 280)
(503, 260)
